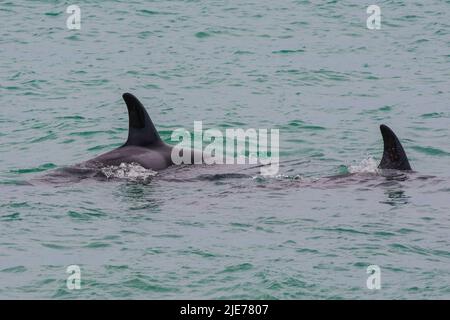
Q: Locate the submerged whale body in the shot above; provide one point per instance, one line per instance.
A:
(145, 148)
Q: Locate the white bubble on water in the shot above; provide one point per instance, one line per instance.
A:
(129, 171)
(367, 165)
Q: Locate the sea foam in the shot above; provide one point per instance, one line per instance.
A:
(367, 165)
(128, 171)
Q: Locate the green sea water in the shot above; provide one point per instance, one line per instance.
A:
(311, 69)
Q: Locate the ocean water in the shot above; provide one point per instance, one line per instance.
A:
(311, 69)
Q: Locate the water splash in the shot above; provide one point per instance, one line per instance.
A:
(129, 171)
(367, 165)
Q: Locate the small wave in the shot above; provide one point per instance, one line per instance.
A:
(128, 171)
(286, 178)
(367, 165)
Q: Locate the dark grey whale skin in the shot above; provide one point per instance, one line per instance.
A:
(156, 158)
(145, 147)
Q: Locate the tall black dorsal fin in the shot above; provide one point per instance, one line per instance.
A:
(141, 131)
(394, 157)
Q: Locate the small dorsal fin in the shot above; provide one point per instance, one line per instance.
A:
(141, 131)
(394, 157)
